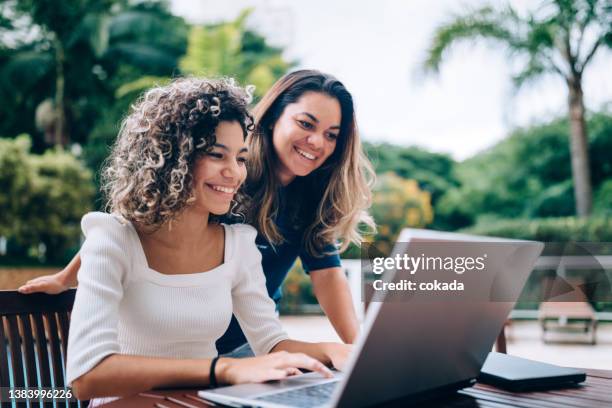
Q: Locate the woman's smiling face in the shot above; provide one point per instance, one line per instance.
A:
(305, 134)
(221, 171)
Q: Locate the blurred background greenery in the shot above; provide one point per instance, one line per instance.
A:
(70, 69)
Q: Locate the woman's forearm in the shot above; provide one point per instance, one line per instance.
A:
(332, 290)
(120, 375)
(69, 274)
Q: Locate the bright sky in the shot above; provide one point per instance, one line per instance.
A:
(375, 48)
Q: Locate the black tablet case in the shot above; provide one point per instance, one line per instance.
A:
(519, 374)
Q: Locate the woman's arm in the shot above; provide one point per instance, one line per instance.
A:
(56, 283)
(120, 375)
(333, 293)
(256, 314)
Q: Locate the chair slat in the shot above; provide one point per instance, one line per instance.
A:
(16, 356)
(30, 356)
(29, 351)
(15, 348)
(43, 354)
(41, 347)
(56, 357)
(64, 325)
(4, 363)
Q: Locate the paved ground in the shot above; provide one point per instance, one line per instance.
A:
(523, 340)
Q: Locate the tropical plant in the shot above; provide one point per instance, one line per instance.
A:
(231, 49)
(561, 37)
(64, 59)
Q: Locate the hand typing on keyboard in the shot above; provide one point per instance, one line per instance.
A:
(274, 366)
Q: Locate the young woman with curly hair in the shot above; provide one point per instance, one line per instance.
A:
(159, 279)
(308, 189)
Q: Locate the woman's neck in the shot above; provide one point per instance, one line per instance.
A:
(283, 175)
(186, 232)
(285, 181)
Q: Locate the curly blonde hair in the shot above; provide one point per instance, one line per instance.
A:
(147, 178)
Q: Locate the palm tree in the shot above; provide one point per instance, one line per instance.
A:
(561, 38)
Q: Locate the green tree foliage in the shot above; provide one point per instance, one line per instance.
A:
(561, 38)
(398, 203)
(434, 172)
(73, 55)
(603, 200)
(231, 49)
(15, 181)
(223, 49)
(562, 229)
(228, 48)
(48, 195)
(527, 175)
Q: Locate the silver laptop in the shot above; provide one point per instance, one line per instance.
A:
(413, 344)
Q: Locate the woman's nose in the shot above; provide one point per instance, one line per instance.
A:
(231, 170)
(315, 140)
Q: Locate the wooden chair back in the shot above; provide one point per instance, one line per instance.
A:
(34, 337)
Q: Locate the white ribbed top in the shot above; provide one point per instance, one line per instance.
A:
(123, 306)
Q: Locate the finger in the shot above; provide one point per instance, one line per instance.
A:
(300, 360)
(293, 371)
(35, 287)
(29, 287)
(275, 374)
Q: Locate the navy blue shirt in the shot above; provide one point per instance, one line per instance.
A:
(277, 261)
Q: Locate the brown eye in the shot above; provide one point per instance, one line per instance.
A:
(305, 125)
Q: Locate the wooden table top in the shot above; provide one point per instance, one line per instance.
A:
(595, 392)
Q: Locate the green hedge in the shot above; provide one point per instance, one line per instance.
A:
(593, 229)
(42, 201)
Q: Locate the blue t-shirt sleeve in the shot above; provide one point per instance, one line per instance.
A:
(331, 259)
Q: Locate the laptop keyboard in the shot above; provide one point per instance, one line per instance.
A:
(305, 397)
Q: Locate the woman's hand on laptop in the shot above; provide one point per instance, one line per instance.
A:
(273, 366)
(337, 353)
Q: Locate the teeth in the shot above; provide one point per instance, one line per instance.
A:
(223, 189)
(305, 154)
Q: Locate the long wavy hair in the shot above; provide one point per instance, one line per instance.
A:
(148, 177)
(333, 199)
